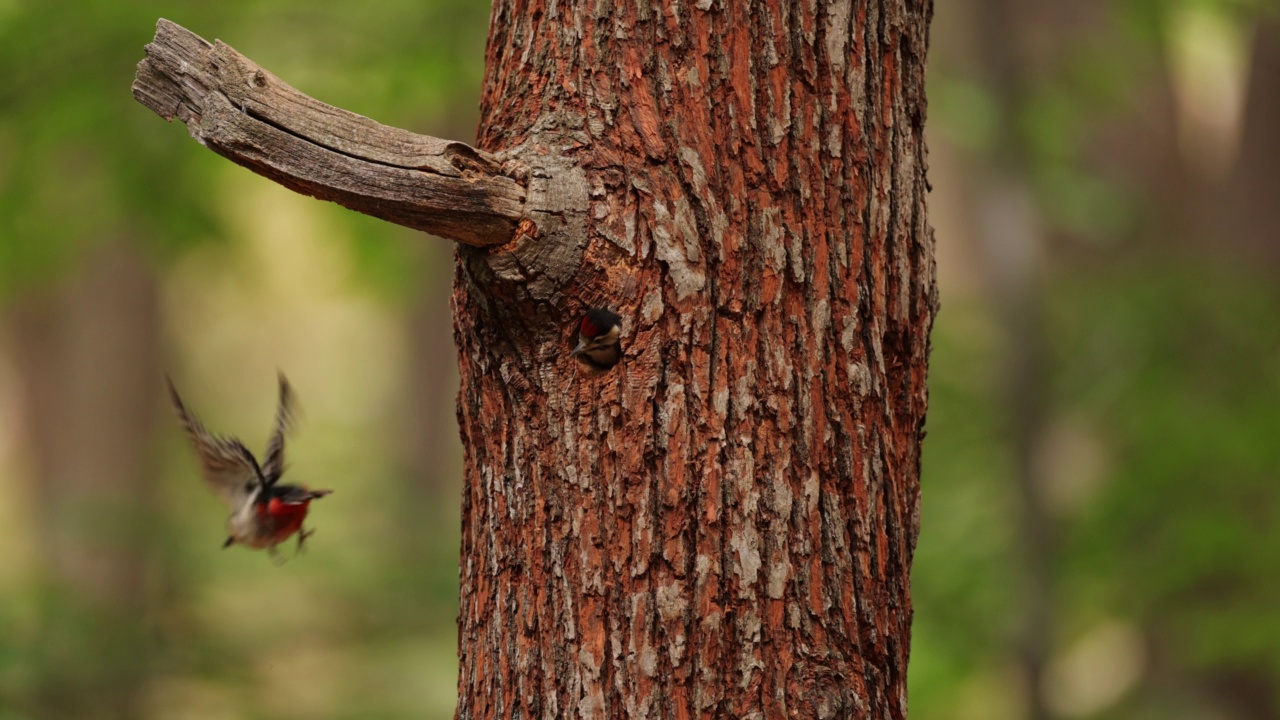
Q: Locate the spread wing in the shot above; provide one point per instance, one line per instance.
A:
(226, 464)
(273, 463)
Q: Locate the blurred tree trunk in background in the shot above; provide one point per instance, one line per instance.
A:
(1075, 97)
(723, 525)
(1013, 240)
(87, 357)
(1221, 217)
(1249, 212)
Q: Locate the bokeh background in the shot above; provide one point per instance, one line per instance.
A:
(1101, 506)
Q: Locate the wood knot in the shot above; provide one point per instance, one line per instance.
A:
(260, 79)
(468, 160)
(526, 229)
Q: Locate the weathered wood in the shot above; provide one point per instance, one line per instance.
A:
(246, 114)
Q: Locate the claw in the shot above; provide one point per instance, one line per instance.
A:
(276, 558)
(303, 534)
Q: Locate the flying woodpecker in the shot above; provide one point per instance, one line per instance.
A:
(264, 512)
(598, 340)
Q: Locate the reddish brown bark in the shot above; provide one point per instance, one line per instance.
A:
(723, 525)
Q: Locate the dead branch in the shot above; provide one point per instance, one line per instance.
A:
(246, 114)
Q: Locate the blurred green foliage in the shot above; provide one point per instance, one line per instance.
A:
(1158, 463)
(1183, 371)
(1163, 382)
(83, 163)
(363, 626)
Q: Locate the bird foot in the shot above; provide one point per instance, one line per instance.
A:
(303, 534)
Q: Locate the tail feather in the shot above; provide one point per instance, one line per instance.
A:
(297, 493)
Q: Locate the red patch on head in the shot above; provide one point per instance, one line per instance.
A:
(588, 328)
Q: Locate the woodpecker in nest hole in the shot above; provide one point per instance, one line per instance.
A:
(264, 512)
(598, 340)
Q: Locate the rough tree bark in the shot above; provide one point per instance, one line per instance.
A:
(722, 526)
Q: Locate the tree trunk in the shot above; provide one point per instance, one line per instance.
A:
(722, 526)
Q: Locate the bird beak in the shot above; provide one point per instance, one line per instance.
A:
(582, 347)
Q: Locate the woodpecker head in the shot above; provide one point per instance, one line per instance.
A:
(598, 335)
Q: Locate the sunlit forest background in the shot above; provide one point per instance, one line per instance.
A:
(1101, 500)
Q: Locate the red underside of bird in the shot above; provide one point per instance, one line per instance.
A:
(285, 518)
(264, 511)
